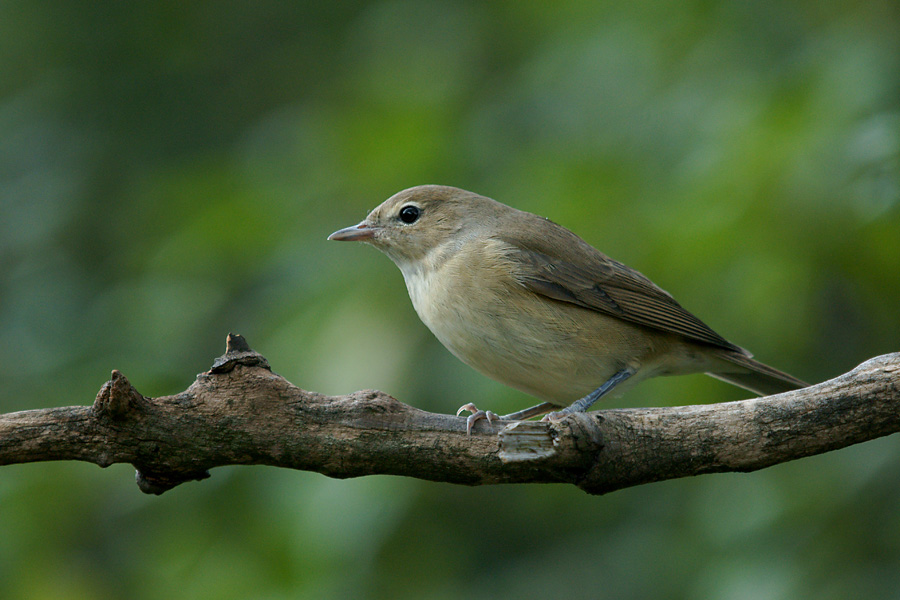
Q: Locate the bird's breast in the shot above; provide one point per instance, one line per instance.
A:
(456, 292)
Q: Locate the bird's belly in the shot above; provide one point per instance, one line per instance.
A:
(554, 351)
(550, 372)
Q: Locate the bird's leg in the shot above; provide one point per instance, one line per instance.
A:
(582, 404)
(534, 411)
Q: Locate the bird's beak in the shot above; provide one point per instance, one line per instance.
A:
(357, 233)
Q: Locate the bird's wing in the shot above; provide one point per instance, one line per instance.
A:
(592, 280)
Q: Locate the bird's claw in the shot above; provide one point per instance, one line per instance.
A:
(467, 407)
(477, 415)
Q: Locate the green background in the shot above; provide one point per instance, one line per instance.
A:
(169, 172)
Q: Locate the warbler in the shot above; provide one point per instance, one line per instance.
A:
(529, 303)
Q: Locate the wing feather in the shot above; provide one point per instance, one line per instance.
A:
(590, 279)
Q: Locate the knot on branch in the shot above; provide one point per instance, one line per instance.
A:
(526, 441)
(238, 352)
(117, 398)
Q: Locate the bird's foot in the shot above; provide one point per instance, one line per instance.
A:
(582, 404)
(555, 417)
(477, 415)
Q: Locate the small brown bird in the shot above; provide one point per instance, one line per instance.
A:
(532, 305)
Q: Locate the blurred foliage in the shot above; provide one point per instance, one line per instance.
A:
(169, 172)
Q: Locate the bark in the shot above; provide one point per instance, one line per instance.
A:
(240, 412)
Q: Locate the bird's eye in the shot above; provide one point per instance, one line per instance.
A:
(409, 214)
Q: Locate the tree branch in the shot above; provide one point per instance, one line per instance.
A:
(239, 412)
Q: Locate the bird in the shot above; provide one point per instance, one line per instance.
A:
(529, 303)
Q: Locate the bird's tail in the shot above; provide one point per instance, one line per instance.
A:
(755, 376)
